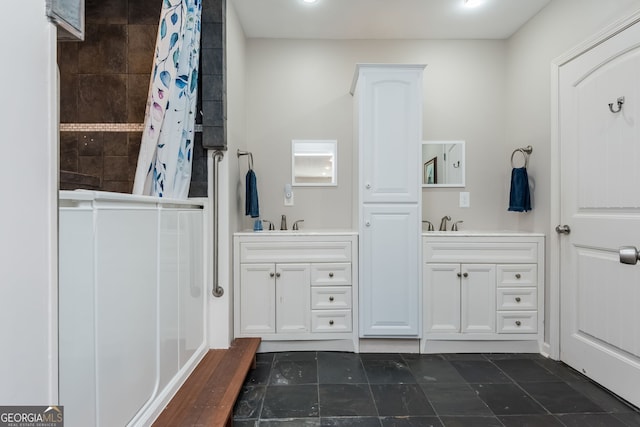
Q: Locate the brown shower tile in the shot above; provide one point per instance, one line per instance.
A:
(90, 143)
(68, 57)
(116, 168)
(117, 186)
(198, 189)
(212, 11)
(104, 50)
(211, 36)
(68, 98)
(115, 144)
(90, 165)
(69, 151)
(212, 87)
(141, 48)
(144, 11)
(106, 11)
(102, 98)
(137, 97)
(212, 61)
(133, 150)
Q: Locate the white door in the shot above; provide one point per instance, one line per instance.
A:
(442, 298)
(478, 298)
(390, 263)
(293, 298)
(257, 299)
(600, 202)
(391, 134)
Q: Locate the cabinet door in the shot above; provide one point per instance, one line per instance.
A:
(390, 266)
(257, 299)
(390, 135)
(442, 298)
(293, 298)
(478, 298)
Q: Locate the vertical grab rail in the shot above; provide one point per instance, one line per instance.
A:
(217, 290)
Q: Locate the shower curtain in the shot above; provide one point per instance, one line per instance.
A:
(164, 161)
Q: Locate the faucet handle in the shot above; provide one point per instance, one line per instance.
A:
(429, 225)
(271, 226)
(454, 227)
(295, 224)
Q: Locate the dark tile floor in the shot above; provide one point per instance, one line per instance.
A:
(318, 389)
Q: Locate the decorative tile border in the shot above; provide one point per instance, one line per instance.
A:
(108, 127)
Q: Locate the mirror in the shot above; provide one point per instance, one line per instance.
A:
(443, 164)
(314, 163)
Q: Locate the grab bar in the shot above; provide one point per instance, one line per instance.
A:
(217, 291)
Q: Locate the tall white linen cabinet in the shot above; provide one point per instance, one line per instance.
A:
(388, 136)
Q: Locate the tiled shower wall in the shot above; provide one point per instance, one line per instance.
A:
(103, 89)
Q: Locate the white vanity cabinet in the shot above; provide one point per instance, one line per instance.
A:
(482, 288)
(388, 135)
(295, 286)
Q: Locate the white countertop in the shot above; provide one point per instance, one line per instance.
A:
(482, 233)
(311, 232)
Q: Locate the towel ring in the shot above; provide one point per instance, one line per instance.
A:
(525, 154)
(246, 153)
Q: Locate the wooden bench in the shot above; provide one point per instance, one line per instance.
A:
(209, 394)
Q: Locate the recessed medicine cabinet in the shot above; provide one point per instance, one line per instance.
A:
(443, 164)
(314, 163)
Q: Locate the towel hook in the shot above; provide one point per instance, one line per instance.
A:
(620, 102)
(525, 153)
(246, 153)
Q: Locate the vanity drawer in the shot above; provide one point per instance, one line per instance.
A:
(330, 297)
(517, 299)
(461, 250)
(517, 322)
(338, 274)
(293, 251)
(517, 275)
(331, 321)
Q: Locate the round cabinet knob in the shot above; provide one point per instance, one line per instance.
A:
(331, 322)
(367, 223)
(518, 323)
(368, 186)
(517, 299)
(271, 274)
(277, 274)
(465, 274)
(331, 299)
(459, 275)
(518, 275)
(330, 274)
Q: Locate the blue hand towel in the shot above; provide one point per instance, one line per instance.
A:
(519, 197)
(251, 199)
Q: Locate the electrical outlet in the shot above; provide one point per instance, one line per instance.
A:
(288, 201)
(465, 201)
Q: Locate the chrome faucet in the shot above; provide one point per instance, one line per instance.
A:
(429, 225)
(443, 223)
(271, 227)
(454, 227)
(295, 224)
(283, 222)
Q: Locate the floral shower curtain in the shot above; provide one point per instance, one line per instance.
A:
(164, 162)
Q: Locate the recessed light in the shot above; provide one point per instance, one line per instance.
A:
(310, 1)
(473, 3)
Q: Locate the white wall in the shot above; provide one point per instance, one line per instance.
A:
(299, 89)
(231, 186)
(28, 218)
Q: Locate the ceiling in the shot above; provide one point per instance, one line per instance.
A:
(384, 19)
